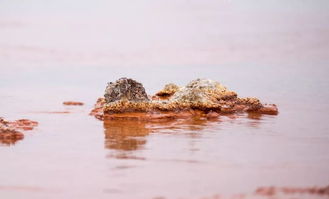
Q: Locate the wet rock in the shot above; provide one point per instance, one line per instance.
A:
(271, 191)
(252, 104)
(23, 124)
(9, 130)
(72, 103)
(266, 191)
(227, 109)
(212, 115)
(269, 109)
(56, 112)
(98, 110)
(124, 106)
(168, 90)
(9, 135)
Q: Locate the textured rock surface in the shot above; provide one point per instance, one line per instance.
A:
(168, 90)
(125, 89)
(201, 95)
(125, 95)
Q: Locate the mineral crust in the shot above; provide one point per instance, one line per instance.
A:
(168, 90)
(126, 98)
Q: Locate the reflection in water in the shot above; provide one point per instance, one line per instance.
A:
(9, 141)
(126, 136)
(255, 119)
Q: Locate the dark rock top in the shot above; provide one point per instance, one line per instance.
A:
(125, 89)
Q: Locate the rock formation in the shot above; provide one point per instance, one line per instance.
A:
(126, 98)
(126, 90)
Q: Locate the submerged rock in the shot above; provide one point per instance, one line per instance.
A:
(98, 110)
(73, 103)
(10, 131)
(199, 98)
(9, 135)
(274, 191)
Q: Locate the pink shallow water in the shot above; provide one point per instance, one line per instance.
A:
(277, 51)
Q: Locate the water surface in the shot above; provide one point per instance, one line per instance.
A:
(50, 53)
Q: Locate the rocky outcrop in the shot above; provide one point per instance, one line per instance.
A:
(125, 95)
(202, 94)
(125, 89)
(201, 97)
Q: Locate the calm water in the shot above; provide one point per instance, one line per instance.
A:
(49, 53)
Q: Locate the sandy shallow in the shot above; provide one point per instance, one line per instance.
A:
(277, 52)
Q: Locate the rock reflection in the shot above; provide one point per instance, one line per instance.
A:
(255, 116)
(192, 125)
(9, 141)
(255, 119)
(126, 135)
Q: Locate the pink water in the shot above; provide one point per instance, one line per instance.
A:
(58, 51)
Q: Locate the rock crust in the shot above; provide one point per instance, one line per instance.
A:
(168, 90)
(203, 97)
